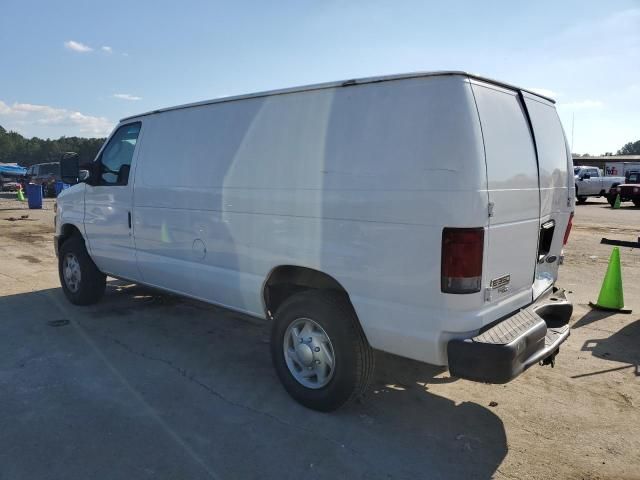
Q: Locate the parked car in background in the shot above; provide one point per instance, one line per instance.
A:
(591, 182)
(327, 210)
(629, 191)
(11, 176)
(45, 174)
(8, 184)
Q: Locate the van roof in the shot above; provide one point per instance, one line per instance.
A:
(343, 83)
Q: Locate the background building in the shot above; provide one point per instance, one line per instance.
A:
(615, 165)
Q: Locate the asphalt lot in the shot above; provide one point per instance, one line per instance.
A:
(147, 385)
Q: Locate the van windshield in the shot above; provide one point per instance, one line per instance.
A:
(49, 169)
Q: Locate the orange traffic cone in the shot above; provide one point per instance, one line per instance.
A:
(611, 297)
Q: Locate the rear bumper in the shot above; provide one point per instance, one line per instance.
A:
(509, 347)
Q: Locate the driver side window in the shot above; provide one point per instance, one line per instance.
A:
(115, 160)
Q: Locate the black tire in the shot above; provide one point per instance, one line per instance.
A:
(636, 203)
(92, 283)
(581, 200)
(354, 359)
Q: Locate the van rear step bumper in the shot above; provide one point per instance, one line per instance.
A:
(509, 347)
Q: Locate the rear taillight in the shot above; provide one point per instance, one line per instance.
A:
(461, 270)
(568, 230)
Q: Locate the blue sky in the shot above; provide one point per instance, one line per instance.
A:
(76, 68)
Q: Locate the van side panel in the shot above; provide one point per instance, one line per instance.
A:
(357, 182)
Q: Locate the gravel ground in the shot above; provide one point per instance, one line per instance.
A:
(145, 385)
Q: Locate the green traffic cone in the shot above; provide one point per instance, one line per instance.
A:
(165, 236)
(21, 195)
(611, 297)
(617, 202)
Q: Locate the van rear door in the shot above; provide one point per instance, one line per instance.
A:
(556, 202)
(514, 199)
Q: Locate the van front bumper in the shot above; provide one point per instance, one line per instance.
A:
(506, 349)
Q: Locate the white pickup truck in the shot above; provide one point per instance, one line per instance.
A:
(591, 182)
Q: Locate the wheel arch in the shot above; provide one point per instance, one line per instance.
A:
(67, 231)
(286, 280)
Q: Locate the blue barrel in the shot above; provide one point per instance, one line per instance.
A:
(34, 195)
(60, 186)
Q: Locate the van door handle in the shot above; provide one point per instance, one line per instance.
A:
(129, 218)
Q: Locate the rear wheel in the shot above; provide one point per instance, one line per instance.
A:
(82, 282)
(581, 199)
(319, 350)
(636, 202)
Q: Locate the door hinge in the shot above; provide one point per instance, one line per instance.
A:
(491, 209)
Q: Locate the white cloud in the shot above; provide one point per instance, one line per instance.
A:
(545, 92)
(593, 62)
(126, 96)
(77, 46)
(582, 104)
(107, 49)
(69, 122)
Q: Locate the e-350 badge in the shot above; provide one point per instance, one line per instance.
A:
(501, 284)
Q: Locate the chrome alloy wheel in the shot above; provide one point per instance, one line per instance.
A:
(71, 272)
(308, 353)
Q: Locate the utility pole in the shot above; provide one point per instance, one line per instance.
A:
(573, 122)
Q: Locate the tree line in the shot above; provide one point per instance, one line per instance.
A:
(631, 148)
(14, 148)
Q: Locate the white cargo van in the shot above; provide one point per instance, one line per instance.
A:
(421, 214)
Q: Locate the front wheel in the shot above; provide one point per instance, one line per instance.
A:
(581, 199)
(636, 202)
(82, 282)
(319, 350)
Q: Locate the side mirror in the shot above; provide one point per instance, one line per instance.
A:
(83, 175)
(70, 168)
